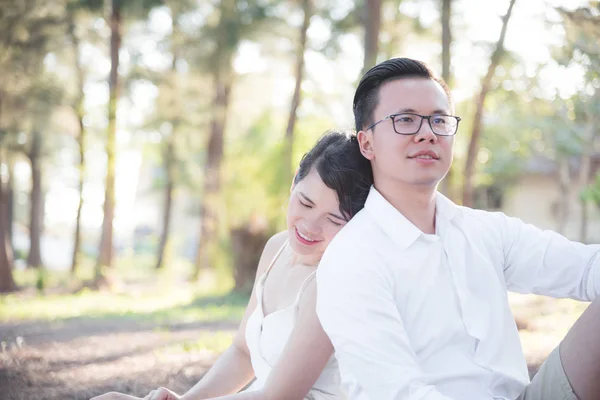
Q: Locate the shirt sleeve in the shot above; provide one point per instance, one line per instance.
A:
(356, 307)
(546, 263)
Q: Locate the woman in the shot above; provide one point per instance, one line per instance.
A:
(280, 340)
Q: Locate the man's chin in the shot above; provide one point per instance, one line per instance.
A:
(427, 182)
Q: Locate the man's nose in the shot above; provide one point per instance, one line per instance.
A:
(425, 132)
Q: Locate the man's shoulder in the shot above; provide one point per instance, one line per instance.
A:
(354, 243)
(489, 219)
(357, 231)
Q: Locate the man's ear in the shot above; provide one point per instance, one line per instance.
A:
(365, 141)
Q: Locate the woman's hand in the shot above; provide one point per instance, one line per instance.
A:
(115, 396)
(162, 393)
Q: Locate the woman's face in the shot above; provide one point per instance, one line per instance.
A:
(313, 218)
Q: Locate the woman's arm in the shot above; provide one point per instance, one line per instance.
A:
(233, 369)
(303, 359)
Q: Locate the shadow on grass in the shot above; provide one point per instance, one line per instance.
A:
(203, 312)
(20, 383)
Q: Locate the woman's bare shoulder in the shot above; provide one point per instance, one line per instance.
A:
(275, 242)
(271, 248)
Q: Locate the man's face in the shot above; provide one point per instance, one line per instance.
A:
(422, 159)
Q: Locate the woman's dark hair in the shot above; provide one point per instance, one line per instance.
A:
(337, 158)
(366, 96)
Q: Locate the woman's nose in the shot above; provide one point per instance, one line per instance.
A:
(312, 226)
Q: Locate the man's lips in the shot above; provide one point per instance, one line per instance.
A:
(425, 154)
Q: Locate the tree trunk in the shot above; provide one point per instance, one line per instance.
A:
(592, 136)
(7, 283)
(583, 181)
(564, 183)
(169, 162)
(77, 234)
(296, 98)
(78, 108)
(212, 174)
(583, 229)
(447, 184)
(36, 212)
(170, 156)
(105, 256)
(392, 46)
(446, 39)
(247, 244)
(10, 201)
(477, 119)
(372, 26)
(223, 80)
(168, 205)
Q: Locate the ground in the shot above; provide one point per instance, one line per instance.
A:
(81, 358)
(77, 354)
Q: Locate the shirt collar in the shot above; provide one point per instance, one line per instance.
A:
(445, 209)
(403, 232)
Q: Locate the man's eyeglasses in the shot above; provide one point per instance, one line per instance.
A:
(410, 123)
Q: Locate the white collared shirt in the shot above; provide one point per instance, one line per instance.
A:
(414, 316)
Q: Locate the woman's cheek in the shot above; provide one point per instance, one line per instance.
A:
(331, 232)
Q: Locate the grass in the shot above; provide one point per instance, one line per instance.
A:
(138, 291)
(213, 342)
(157, 303)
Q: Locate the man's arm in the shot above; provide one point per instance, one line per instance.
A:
(356, 307)
(544, 262)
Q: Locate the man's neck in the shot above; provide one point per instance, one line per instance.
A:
(415, 203)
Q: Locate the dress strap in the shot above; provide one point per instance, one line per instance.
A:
(303, 287)
(276, 257)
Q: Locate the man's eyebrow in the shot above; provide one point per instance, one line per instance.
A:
(411, 110)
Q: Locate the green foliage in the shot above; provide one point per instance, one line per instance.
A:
(582, 27)
(28, 31)
(253, 181)
(214, 342)
(161, 299)
(592, 192)
(522, 122)
(40, 284)
(131, 8)
(254, 186)
(227, 23)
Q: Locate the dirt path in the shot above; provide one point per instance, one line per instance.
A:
(83, 357)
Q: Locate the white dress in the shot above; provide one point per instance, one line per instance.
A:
(267, 336)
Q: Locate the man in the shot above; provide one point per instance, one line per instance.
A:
(413, 291)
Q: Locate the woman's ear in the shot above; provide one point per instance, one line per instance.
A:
(365, 141)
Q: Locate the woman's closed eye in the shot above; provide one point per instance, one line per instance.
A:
(306, 205)
(334, 222)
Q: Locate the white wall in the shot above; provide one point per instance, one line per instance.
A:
(535, 197)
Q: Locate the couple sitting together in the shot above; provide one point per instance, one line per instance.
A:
(382, 288)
